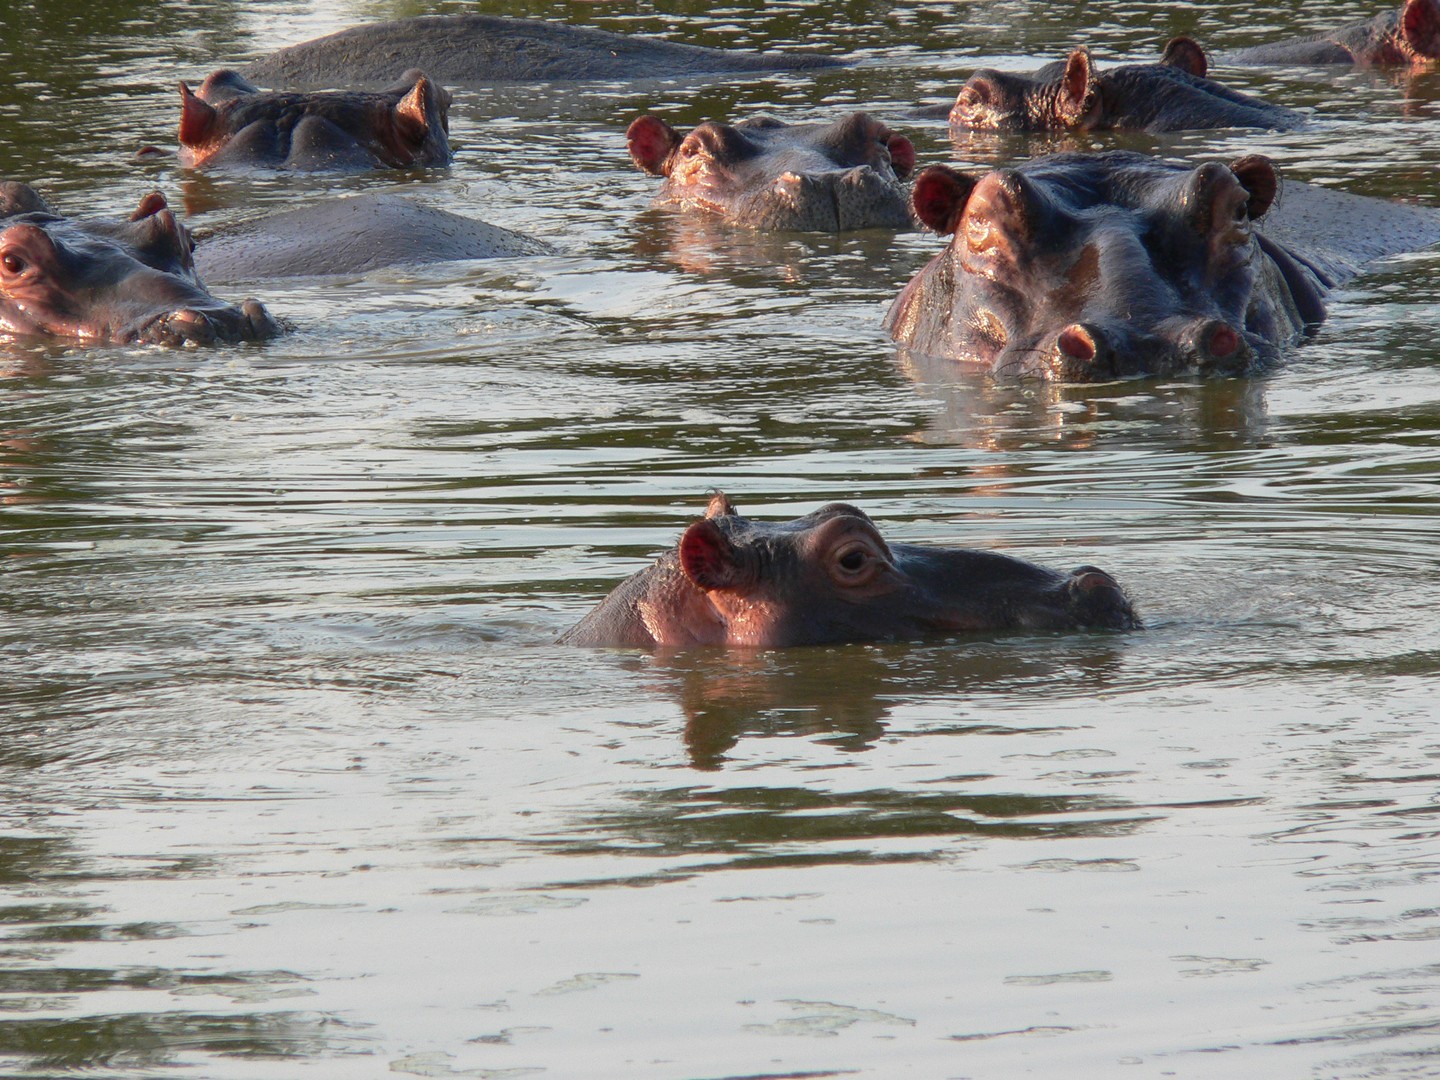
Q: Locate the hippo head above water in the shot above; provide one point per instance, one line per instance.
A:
(770, 175)
(230, 122)
(1089, 267)
(1408, 36)
(830, 577)
(1075, 95)
(110, 281)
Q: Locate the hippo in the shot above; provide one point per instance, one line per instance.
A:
(829, 577)
(770, 175)
(1090, 267)
(1406, 37)
(101, 281)
(232, 122)
(352, 235)
(478, 50)
(1072, 95)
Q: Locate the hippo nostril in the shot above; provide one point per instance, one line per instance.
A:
(1078, 342)
(1221, 341)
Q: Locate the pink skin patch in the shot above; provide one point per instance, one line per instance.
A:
(1075, 343)
(902, 155)
(1223, 343)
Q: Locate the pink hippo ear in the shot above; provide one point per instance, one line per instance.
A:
(1257, 175)
(150, 204)
(414, 111)
(939, 197)
(708, 558)
(1079, 95)
(652, 143)
(197, 119)
(902, 155)
(1186, 54)
(1420, 27)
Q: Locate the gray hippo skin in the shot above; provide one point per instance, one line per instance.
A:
(1075, 95)
(99, 281)
(477, 50)
(1408, 36)
(1089, 267)
(769, 175)
(829, 577)
(230, 122)
(352, 236)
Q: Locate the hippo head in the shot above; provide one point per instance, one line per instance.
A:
(769, 175)
(114, 281)
(1093, 267)
(830, 577)
(1068, 96)
(233, 123)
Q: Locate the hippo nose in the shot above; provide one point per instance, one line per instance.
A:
(1096, 599)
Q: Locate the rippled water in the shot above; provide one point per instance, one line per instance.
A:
(298, 786)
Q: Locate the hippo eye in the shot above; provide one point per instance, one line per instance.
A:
(13, 263)
(853, 560)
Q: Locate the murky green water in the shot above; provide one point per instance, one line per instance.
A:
(296, 785)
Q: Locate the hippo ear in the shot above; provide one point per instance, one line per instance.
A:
(652, 144)
(18, 198)
(1187, 55)
(1257, 175)
(902, 155)
(1420, 27)
(939, 197)
(197, 119)
(720, 506)
(414, 112)
(708, 558)
(1079, 95)
(150, 204)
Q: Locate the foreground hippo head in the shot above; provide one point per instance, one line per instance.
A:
(1076, 95)
(110, 281)
(1408, 36)
(1082, 267)
(769, 175)
(830, 577)
(230, 122)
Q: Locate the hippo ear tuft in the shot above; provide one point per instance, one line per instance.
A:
(939, 197)
(1420, 27)
(1186, 54)
(197, 119)
(707, 556)
(1257, 175)
(720, 506)
(652, 144)
(1079, 94)
(151, 204)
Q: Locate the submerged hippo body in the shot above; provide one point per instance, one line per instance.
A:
(769, 175)
(829, 577)
(1408, 36)
(477, 50)
(230, 122)
(1086, 267)
(1075, 95)
(110, 281)
(353, 235)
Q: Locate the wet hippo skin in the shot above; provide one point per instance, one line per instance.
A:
(229, 122)
(101, 281)
(1086, 267)
(476, 50)
(1406, 36)
(1077, 95)
(769, 175)
(830, 577)
(351, 236)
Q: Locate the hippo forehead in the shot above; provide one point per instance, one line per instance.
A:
(843, 143)
(742, 530)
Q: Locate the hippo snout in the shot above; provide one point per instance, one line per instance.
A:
(1096, 599)
(192, 325)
